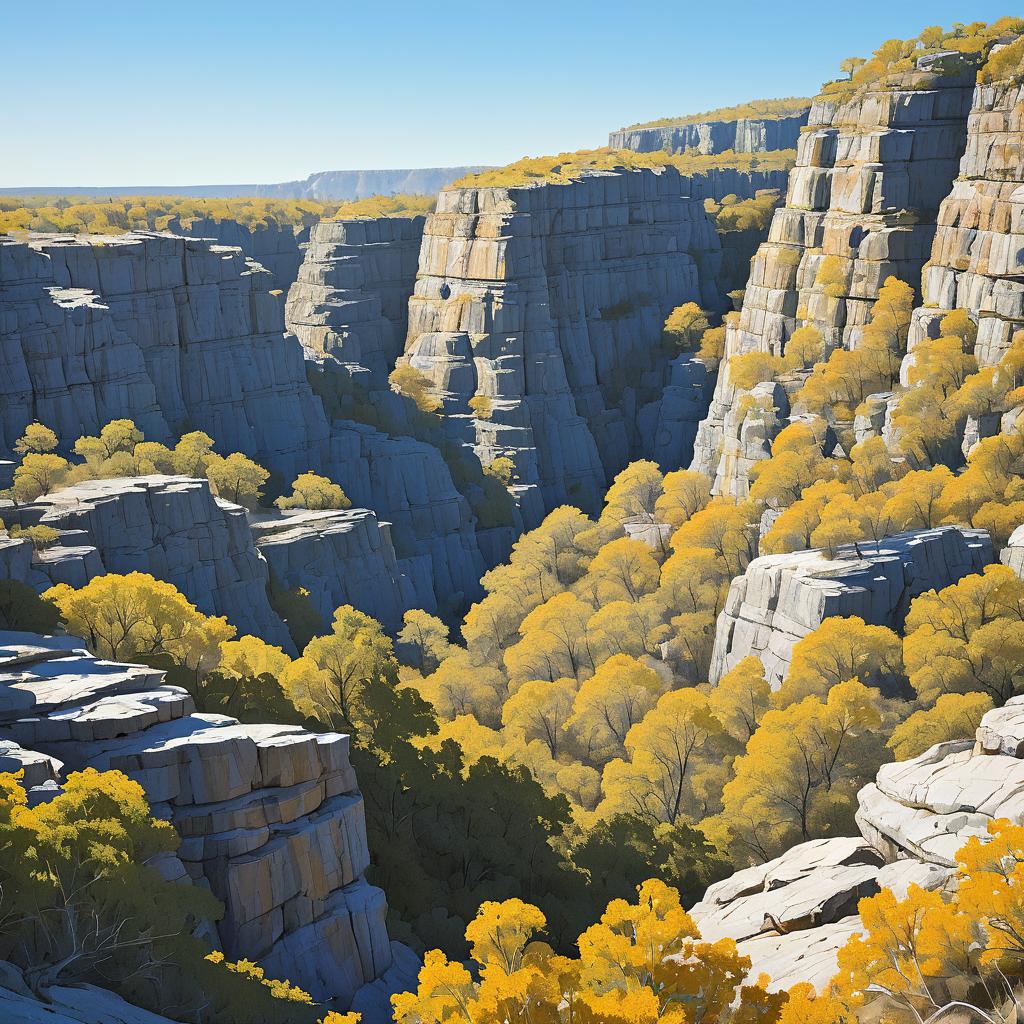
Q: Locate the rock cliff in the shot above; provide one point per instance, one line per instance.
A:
(976, 258)
(741, 135)
(782, 598)
(872, 169)
(351, 297)
(360, 184)
(277, 248)
(270, 816)
(547, 301)
(182, 334)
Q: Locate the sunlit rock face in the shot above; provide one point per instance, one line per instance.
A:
(780, 599)
(351, 297)
(270, 816)
(743, 135)
(547, 303)
(872, 170)
(181, 334)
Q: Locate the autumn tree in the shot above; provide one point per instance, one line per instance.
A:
(741, 698)
(623, 570)
(135, 617)
(554, 641)
(801, 772)
(611, 702)
(674, 769)
(968, 637)
(683, 493)
(38, 474)
(37, 440)
(312, 491)
(237, 479)
(685, 326)
(118, 436)
(540, 710)
(426, 637)
(843, 648)
(406, 380)
(954, 716)
(192, 454)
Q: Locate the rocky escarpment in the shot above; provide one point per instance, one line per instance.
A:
(872, 169)
(546, 303)
(270, 816)
(741, 135)
(350, 302)
(977, 257)
(360, 184)
(180, 334)
(277, 248)
(223, 559)
(782, 598)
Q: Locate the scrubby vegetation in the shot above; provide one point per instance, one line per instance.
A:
(764, 110)
(568, 167)
(156, 213)
(734, 214)
(899, 56)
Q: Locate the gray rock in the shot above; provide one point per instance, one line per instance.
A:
(782, 598)
(742, 135)
(270, 816)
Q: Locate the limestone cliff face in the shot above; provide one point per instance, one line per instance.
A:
(744, 135)
(872, 170)
(277, 248)
(782, 598)
(350, 301)
(360, 184)
(270, 816)
(548, 301)
(977, 257)
(181, 334)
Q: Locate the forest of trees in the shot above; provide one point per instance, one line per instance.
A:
(155, 213)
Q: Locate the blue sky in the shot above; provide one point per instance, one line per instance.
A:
(155, 92)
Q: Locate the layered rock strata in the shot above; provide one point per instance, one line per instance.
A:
(343, 557)
(174, 529)
(782, 598)
(270, 816)
(547, 302)
(350, 301)
(180, 334)
(977, 257)
(742, 135)
(872, 169)
(277, 248)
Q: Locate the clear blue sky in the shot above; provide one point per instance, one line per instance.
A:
(155, 92)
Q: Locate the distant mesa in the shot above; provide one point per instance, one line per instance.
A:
(322, 185)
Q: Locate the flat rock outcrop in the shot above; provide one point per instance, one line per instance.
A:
(548, 301)
(351, 297)
(270, 816)
(343, 557)
(793, 914)
(174, 529)
(180, 334)
(872, 169)
(782, 598)
(742, 135)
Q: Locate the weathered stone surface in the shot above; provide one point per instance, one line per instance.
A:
(343, 557)
(181, 334)
(1013, 554)
(782, 598)
(549, 300)
(871, 172)
(930, 806)
(976, 261)
(813, 884)
(270, 815)
(742, 135)
(351, 297)
(176, 530)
